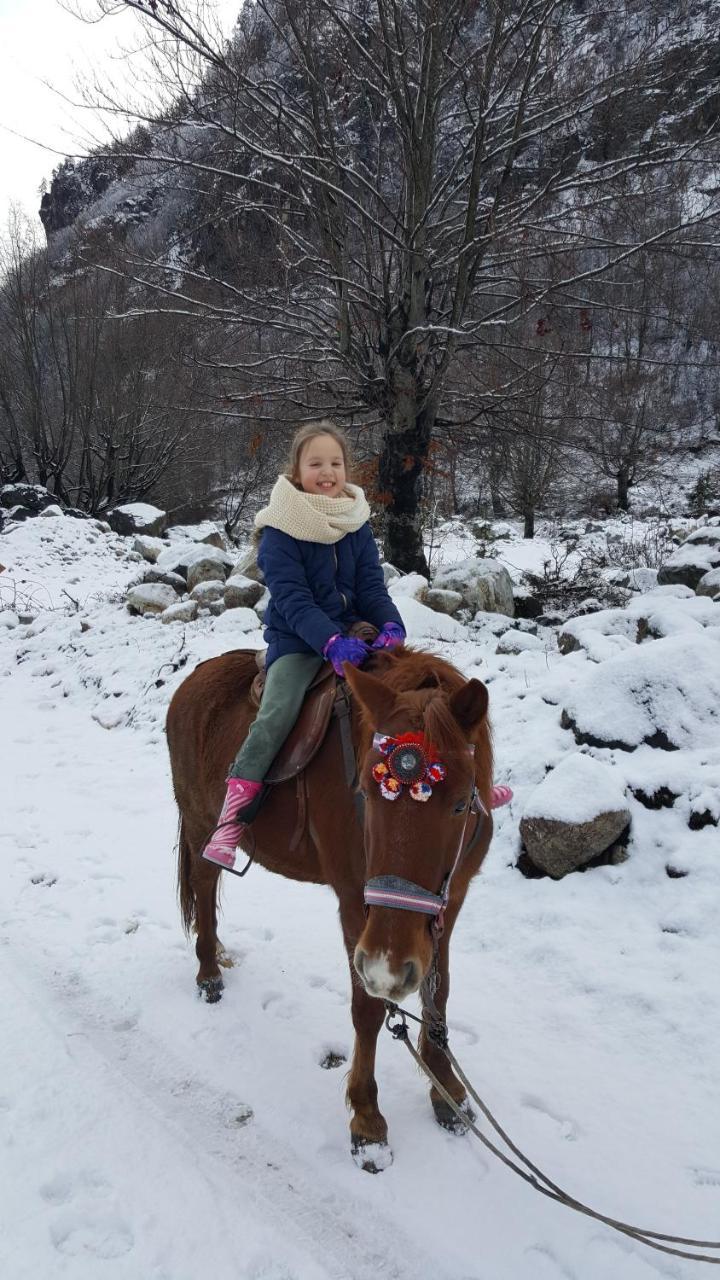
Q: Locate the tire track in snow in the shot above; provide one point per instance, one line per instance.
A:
(346, 1241)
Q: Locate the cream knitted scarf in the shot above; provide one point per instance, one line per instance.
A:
(312, 517)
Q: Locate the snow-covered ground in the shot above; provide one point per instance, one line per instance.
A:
(146, 1135)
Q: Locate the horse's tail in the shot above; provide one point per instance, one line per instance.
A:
(186, 893)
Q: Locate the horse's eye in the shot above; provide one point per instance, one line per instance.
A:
(461, 807)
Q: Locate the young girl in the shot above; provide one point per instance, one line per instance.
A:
(322, 569)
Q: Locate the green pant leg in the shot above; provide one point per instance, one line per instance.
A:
(287, 683)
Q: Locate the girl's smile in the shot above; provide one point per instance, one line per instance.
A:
(321, 467)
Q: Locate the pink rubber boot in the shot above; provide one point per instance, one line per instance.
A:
(500, 795)
(228, 833)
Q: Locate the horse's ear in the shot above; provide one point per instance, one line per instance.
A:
(371, 693)
(469, 705)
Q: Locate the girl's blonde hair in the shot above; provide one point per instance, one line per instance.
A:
(324, 427)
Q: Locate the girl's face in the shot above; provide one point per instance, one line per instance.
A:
(321, 467)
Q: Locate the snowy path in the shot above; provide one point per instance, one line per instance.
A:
(145, 1135)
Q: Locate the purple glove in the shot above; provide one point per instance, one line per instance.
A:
(390, 637)
(341, 649)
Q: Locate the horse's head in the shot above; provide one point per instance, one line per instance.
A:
(419, 819)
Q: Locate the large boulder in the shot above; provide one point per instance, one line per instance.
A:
(238, 621)
(709, 584)
(514, 641)
(207, 532)
(448, 602)
(695, 557)
(664, 694)
(149, 548)
(174, 580)
(183, 611)
(206, 569)
(150, 598)
(576, 813)
(179, 559)
(247, 566)
(33, 497)
(208, 592)
(242, 592)
(137, 517)
(483, 583)
(424, 624)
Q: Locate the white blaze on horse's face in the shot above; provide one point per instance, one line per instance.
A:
(381, 980)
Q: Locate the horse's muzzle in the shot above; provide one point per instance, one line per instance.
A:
(384, 982)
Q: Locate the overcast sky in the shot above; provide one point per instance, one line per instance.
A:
(41, 42)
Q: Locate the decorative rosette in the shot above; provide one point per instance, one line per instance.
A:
(406, 763)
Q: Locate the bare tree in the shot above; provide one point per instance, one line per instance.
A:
(398, 157)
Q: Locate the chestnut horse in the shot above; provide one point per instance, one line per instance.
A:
(390, 951)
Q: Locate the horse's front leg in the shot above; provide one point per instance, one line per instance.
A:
(433, 1056)
(368, 1127)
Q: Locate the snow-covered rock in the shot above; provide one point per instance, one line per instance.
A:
(8, 618)
(180, 558)
(411, 585)
(242, 592)
(150, 598)
(575, 813)
(389, 571)
(207, 532)
(52, 510)
(149, 548)
(247, 566)
(693, 559)
(174, 580)
(651, 693)
(484, 584)
(137, 517)
(33, 497)
(422, 623)
(206, 569)
(237, 621)
(513, 641)
(448, 602)
(183, 611)
(208, 591)
(709, 584)
(636, 579)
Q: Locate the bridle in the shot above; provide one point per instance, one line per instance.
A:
(405, 895)
(394, 891)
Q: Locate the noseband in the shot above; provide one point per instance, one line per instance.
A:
(411, 764)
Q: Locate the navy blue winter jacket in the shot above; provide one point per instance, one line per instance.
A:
(318, 590)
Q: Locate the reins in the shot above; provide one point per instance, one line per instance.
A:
(395, 892)
(437, 1031)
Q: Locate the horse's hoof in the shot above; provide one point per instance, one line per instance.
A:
(211, 989)
(447, 1118)
(373, 1157)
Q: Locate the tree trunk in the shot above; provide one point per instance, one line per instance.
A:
(622, 489)
(400, 468)
(529, 530)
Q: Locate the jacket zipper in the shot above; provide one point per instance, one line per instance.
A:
(340, 593)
